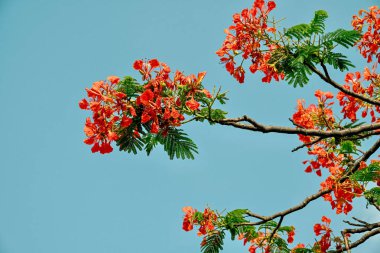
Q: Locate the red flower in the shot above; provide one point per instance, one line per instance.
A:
(137, 65)
(192, 104)
(249, 38)
(126, 122)
(291, 236)
(113, 79)
(188, 220)
(146, 97)
(83, 104)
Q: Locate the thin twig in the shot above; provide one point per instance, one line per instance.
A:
(275, 229)
(362, 239)
(325, 77)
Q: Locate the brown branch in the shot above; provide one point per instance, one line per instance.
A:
(361, 221)
(325, 77)
(307, 144)
(364, 228)
(257, 127)
(275, 229)
(301, 205)
(313, 197)
(362, 239)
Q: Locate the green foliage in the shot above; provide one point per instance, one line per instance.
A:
(210, 114)
(129, 86)
(368, 174)
(373, 195)
(317, 25)
(303, 250)
(235, 217)
(268, 225)
(345, 38)
(298, 74)
(222, 97)
(299, 32)
(347, 147)
(176, 143)
(307, 45)
(213, 242)
(337, 61)
(279, 245)
(128, 142)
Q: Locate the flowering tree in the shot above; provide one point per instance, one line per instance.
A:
(140, 116)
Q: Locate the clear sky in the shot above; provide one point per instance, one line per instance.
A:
(58, 197)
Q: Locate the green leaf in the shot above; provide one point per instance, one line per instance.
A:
(338, 61)
(353, 124)
(286, 229)
(368, 174)
(347, 147)
(222, 98)
(268, 225)
(317, 25)
(303, 250)
(373, 195)
(128, 142)
(232, 218)
(213, 243)
(345, 38)
(177, 144)
(297, 74)
(151, 141)
(129, 86)
(279, 245)
(299, 32)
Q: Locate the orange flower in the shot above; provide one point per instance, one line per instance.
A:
(113, 79)
(192, 104)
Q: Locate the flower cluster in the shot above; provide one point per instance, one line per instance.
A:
(159, 104)
(324, 242)
(343, 192)
(354, 82)
(370, 42)
(326, 152)
(315, 116)
(206, 220)
(260, 241)
(106, 105)
(249, 36)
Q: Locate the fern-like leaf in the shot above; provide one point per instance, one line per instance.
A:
(338, 61)
(128, 142)
(345, 38)
(178, 145)
(299, 32)
(297, 75)
(129, 86)
(213, 243)
(317, 25)
(371, 173)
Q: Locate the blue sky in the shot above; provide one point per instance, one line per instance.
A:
(56, 196)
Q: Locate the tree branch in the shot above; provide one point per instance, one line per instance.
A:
(365, 228)
(257, 127)
(313, 197)
(275, 229)
(301, 205)
(325, 77)
(362, 239)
